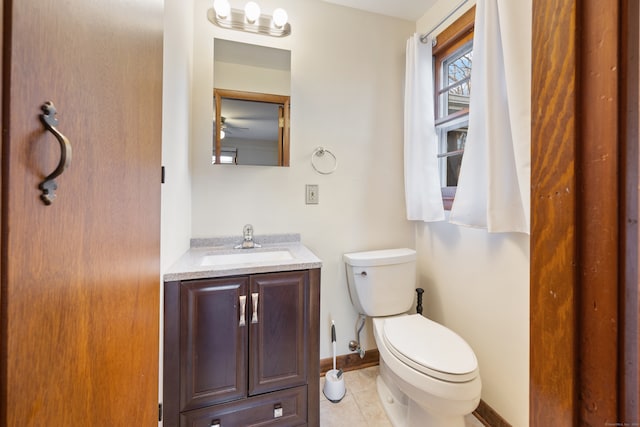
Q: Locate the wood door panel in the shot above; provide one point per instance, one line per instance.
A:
(584, 175)
(281, 330)
(80, 278)
(629, 400)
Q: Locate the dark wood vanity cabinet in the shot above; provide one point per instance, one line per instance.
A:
(242, 350)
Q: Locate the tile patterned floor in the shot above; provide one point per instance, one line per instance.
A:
(360, 406)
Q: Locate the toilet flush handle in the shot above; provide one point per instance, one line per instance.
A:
(363, 273)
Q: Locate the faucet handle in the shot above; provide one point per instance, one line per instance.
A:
(247, 238)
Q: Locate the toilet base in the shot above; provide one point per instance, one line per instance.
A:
(403, 412)
(397, 411)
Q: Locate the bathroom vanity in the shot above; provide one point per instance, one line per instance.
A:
(241, 335)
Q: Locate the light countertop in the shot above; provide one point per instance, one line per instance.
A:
(193, 265)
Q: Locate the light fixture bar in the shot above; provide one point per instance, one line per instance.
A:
(236, 21)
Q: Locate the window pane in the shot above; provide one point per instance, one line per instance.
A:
(458, 98)
(455, 141)
(458, 80)
(456, 138)
(459, 68)
(455, 81)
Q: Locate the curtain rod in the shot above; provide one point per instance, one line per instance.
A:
(423, 38)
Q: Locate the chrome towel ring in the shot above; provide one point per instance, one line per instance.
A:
(320, 152)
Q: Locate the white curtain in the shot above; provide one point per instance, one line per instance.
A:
(494, 184)
(421, 177)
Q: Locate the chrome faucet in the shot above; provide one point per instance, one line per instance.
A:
(247, 242)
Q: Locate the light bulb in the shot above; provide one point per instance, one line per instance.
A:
(222, 134)
(252, 12)
(280, 17)
(222, 8)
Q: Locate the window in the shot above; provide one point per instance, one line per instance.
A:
(453, 57)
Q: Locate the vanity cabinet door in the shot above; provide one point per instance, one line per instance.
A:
(278, 338)
(213, 339)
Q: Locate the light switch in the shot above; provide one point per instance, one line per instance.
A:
(312, 194)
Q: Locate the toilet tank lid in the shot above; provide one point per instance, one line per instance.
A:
(380, 257)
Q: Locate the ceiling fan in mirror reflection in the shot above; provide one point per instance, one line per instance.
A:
(228, 128)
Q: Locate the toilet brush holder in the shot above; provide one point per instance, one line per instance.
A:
(334, 388)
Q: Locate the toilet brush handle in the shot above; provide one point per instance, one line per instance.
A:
(333, 342)
(334, 355)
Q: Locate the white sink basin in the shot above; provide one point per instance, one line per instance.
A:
(246, 258)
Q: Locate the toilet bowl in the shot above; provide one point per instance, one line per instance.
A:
(429, 375)
(440, 391)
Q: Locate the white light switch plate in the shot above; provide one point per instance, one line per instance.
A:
(312, 197)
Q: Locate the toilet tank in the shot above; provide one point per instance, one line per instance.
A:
(383, 282)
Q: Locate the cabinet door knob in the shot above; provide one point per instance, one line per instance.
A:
(243, 310)
(254, 299)
(216, 423)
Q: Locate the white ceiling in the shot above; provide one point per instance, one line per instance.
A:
(411, 10)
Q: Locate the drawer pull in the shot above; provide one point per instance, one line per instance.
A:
(277, 410)
(254, 299)
(243, 310)
(216, 423)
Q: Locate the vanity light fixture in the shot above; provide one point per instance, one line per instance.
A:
(280, 17)
(250, 19)
(222, 8)
(251, 12)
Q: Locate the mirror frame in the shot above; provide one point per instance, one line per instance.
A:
(283, 146)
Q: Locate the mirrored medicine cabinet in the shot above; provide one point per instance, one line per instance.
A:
(251, 104)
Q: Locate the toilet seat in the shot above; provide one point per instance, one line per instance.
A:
(430, 348)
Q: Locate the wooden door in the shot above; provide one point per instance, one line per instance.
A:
(281, 329)
(80, 278)
(213, 341)
(584, 201)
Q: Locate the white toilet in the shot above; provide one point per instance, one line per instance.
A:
(429, 375)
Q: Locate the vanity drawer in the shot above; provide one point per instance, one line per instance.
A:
(254, 411)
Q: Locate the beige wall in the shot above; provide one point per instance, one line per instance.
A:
(176, 130)
(477, 284)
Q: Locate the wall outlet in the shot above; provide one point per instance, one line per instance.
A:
(312, 194)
